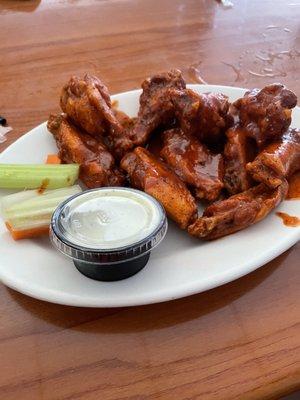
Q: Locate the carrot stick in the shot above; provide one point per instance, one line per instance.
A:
(28, 214)
(27, 233)
(53, 159)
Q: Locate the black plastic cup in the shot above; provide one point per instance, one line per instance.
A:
(111, 264)
(113, 271)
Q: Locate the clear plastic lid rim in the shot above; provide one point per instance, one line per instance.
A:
(102, 256)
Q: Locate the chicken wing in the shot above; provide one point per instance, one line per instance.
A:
(156, 109)
(203, 115)
(238, 151)
(97, 165)
(120, 143)
(87, 104)
(155, 143)
(265, 114)
(165, 98)
(237, 212)
(277, 161)
(155, 178)
(193, 163)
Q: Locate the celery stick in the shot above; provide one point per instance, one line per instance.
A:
(16, 198)
(48, 198)
(35, 211)
(22, 225)
(8, 201)
(34, 176)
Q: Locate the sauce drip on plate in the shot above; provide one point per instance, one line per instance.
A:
(289, 220)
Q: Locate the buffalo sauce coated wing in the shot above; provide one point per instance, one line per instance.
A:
(151, 175)
(238, 151)
(165, 99)
(279, 160)
(119, 142)
(97, 165)
(265, 114)
(203, 115)
(156, 109)
(87, 104)
(193, 163)
(237, 212)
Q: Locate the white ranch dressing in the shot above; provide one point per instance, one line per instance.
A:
(110, 218)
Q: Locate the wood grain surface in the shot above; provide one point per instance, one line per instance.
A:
(240, 341)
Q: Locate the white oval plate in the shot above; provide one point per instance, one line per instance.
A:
(179, 267)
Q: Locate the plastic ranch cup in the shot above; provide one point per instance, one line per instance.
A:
(108, 232)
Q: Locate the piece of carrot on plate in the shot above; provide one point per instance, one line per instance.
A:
(27, 233)
(53, 159)
(27, 214)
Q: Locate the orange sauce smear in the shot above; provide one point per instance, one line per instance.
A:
(44, 186)
(115, 104)
(289, 220)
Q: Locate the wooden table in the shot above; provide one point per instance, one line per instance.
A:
(240, 341)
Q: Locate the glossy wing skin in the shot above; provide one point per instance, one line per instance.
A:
(193, 163)
(277, 161)
(165, 99)
(119, 142)
(203, 115)
(87, 104)
(238, 151)
(148, 173)
(237, 212)
(265, 113)
(156, 109)
(97, 165)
